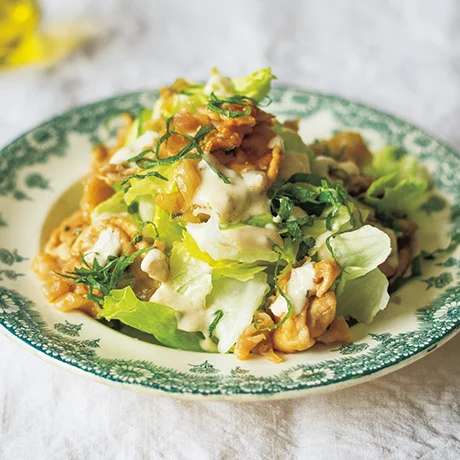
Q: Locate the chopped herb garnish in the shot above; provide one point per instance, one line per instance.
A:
(311, 193)
(285, 205)
(336, 197)
(305, 246)
(284, 199)
(288, 314)
(294, 227)
(103, 279)
(329, 247)
(215, 105)
(218, 316)
(143, 176)
(184, 153)
(144, 224)
(226, 150)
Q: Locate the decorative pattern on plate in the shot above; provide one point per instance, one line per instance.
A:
(9, 257)
(10, 274)
(21, 318)
(67, 328)
(351, 348)
(450, 262)
(36, 180)
(439, 281)
(203, 368)
(51, 138)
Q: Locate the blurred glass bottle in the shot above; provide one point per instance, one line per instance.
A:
(19, 20)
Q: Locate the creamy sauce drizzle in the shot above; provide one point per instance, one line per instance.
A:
(147, 140)
(189, 302)
(155, 264)
(108, 244)
(243, 198)
(244, 243)
(300, 282)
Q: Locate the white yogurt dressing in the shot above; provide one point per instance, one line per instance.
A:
(188, 299)
(300, 282)
(147, 140)
(108, 244)
(155, 264)
(244, 243)
(243, 198)
(248, 238)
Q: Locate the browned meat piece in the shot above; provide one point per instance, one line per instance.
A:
(293, 335)
(256, 341)
(321, 313)
(338, 332)
(326, 273)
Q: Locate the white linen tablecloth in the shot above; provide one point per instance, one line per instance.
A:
(401, 56)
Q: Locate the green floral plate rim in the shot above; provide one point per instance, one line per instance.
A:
(79, 343)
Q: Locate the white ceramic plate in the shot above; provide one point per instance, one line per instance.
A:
(37, 172)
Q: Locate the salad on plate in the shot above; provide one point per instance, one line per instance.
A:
(209, 224)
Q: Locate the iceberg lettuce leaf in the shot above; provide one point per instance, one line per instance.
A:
(219, 84)
(137, 127)
(181, 94)
(362, 298)
(261, 220)
(186, 290)
(256, 85)
(400, 181)
(392, 194)
(153, 318)
(293, 142)
(149, 185)
(185, 268)
(391, 160)
(222, 268)
(114, 206)
(237, 271)
(184, 94)
(238, 301)
(360, 251)
(235, 243)
(342, 221)
(169, 230)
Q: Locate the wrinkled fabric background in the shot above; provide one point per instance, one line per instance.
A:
(403, 57)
